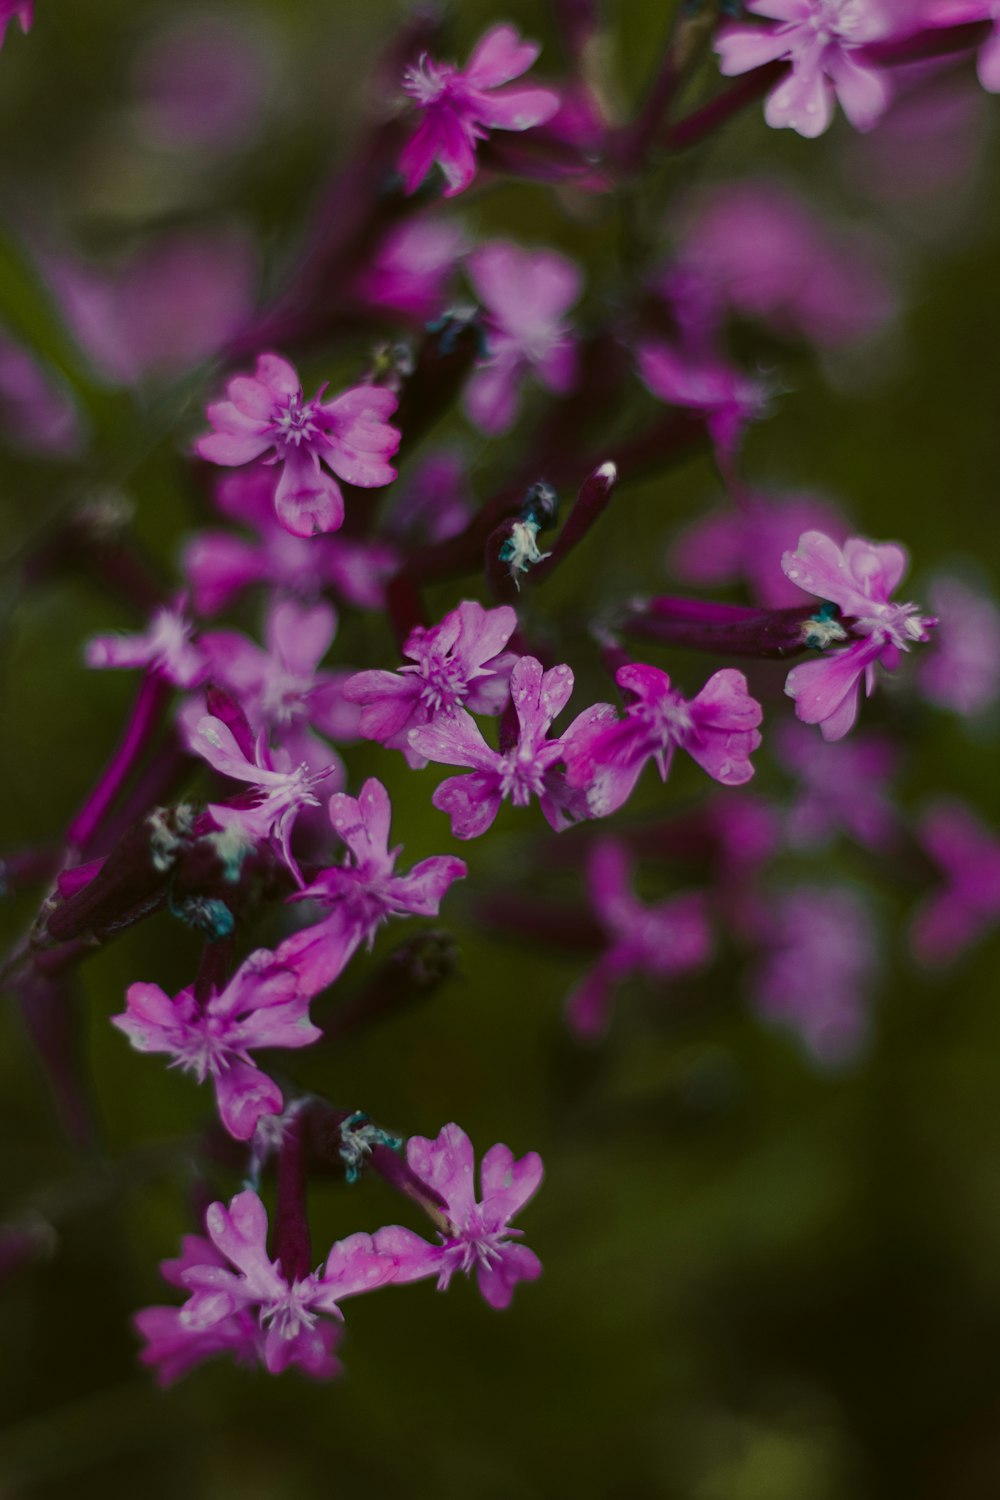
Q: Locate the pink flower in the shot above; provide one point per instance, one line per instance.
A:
(261, 1006)
(165, 649)
(23, 10)
(413, 266)
(762, 251)
(459, 666)
(717, 728)
(748, 542)
(817, 970)
(842, 788)
(219, 565)
(281, 791)
(968, 855)
(706, 383)
(460, 108)
(659, 941)
(474, 1236)
(820, 39)
(266, 414)
(962, 672)
(172, 1347)
(524, 771)
(526, 294)
(858, 580)
(241, 1302)
(364, 891)
(958, 13)
(281, 689)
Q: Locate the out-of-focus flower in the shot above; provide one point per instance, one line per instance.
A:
(526, 294)
(242, 1302)
(957, 13)
(842, 788)
(171, 305)
(261, 1006)
(459, 666)
(281, 689)
(760, 250)
(201, 84)
(474, 1236)
(165, 649)
(717, 728)
(461, 107)
(21, 10)
(968, 906)
(266, 414)
(748, 541)
(817, 969)
(820, 40)
(662, 941)
(706, 383)
(35, 413)
(219, 565)
(962, 671)
(412, 268)
(859, 580)
(434, 504)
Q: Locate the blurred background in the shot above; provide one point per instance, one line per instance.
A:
(769, 1275)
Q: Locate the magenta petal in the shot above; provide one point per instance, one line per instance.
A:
(518, 108)
(244, 1094)
(446, 1164)
(472, 802)
(497, 1282)
(307, 500)
(499, 56)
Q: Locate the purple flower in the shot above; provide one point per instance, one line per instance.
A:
(842, 787)
(266, 414)
(962, 671)
(241, 1302)
(706, 383)
(172, 1347)
(968, 906)
(164, 309)
(261, 1006)
(24, 10)
(659, 941)
(435, 503)
(858, 580)
(219, 565)
(760, 250)
(165, 649)
(282, 790)
(957, 13)
(748, 541)
(526, 294)
(524, 771)
(281, 688)
(460, 108)
(717, 728)
(37, 414)
(474, 1236)
(412, 268)
(820, 39)
(817, 969)
(364, 891)
(458, 666)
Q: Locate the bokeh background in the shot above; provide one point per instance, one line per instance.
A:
(764, 1279)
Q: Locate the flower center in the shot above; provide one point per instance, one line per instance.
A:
(428, 81)
(290, 1314)
(521, 777)
(294, 424)
(444, 687)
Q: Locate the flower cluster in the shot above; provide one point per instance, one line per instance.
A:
(318, 630)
